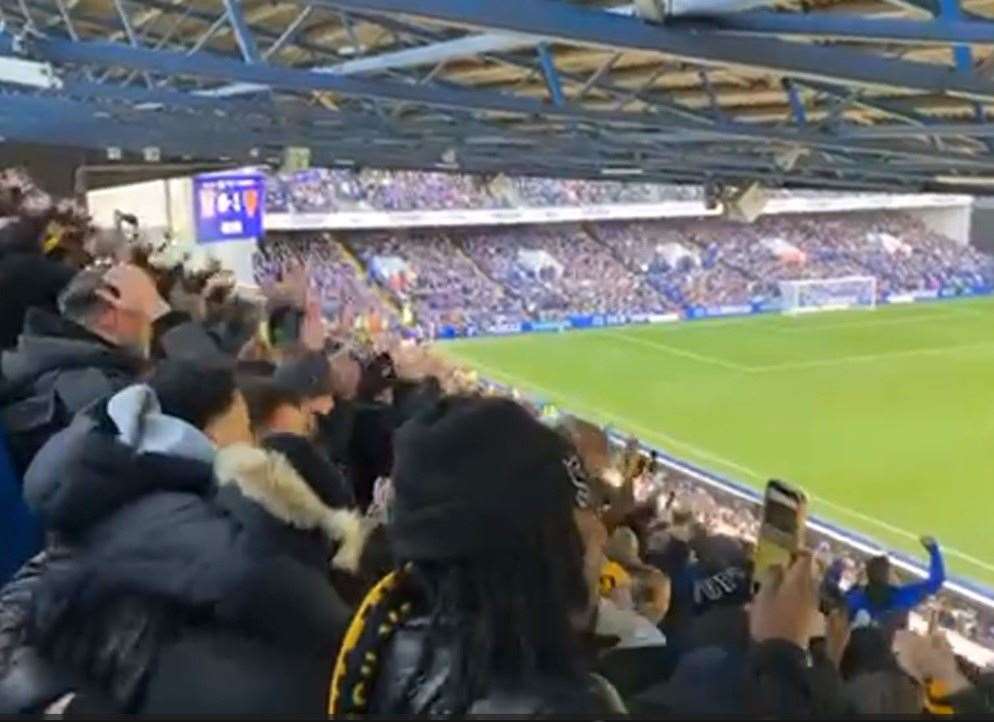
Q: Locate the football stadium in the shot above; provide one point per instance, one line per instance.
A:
(534, 358)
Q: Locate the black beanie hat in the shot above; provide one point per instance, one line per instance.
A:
(317, 472)
(478, 476)
(308, 376)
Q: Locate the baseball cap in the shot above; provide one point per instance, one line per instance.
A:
(123, 286)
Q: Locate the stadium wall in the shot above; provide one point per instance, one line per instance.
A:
(161, 206)
(236, 256)
(148, 201)
(952, 222)
(982, 228)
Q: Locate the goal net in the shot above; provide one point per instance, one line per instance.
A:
(828, 294)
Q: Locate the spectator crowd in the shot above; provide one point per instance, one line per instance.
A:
(222, 505)
(486, 277)
(323, 190)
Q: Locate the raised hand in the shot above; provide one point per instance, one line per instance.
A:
(786, 605)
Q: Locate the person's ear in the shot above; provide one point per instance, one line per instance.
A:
(105, 321)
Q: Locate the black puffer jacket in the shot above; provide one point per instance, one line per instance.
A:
(157, 567)
(414, 675)
(28, 280)
(285, 668)
(57, 369)
(28, 683)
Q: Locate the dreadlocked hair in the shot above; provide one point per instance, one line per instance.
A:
(504, 618)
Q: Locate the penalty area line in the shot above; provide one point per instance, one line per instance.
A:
(700, 358)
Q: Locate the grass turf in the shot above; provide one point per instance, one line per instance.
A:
(885, 417)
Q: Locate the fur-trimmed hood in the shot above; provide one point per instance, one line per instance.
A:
(270, 480)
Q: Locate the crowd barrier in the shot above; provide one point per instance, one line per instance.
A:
(689, 313)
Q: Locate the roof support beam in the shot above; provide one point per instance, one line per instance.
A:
(949, 28)
(569, 23)
(410, 58)
(621, 94)
(796, 104)
(67, 19)
(290, 33)
(551, 74)
(434, 53)
(597, 75)
(129, 31)
(29, 21)
(226, 69)
(210, 32)
(204, 144)
(244, 36)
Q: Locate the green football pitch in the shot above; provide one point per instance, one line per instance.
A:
(885, 417)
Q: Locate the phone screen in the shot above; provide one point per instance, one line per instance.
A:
(782, 530)
(781, 517)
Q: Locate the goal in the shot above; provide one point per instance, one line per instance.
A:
(828, 294)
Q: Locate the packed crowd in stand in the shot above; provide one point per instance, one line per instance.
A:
(342, 292)
(485, 277)
(322, 190)
(441, 284)
(225, 505)
(588, 279)
(694, 280)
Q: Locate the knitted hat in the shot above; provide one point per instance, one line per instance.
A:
(308, 376)
(320, 475)
(476, 476)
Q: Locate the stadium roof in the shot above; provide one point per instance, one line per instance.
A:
(861, 94)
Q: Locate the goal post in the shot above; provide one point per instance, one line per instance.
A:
(828, 294)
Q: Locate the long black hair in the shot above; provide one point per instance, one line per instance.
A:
(504, 618)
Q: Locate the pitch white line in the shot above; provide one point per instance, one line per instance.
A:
(678, 351)
(842, 360)
(628, 425)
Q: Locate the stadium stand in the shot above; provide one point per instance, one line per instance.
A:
(483, 278)
(509, 559)
(327, 190)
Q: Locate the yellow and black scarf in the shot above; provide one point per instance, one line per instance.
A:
(384, 608)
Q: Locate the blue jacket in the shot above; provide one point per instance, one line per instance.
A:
(20, 530)
(902, 598)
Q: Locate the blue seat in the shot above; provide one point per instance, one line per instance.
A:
(21, 535)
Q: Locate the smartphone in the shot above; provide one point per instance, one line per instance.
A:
(782, 531)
